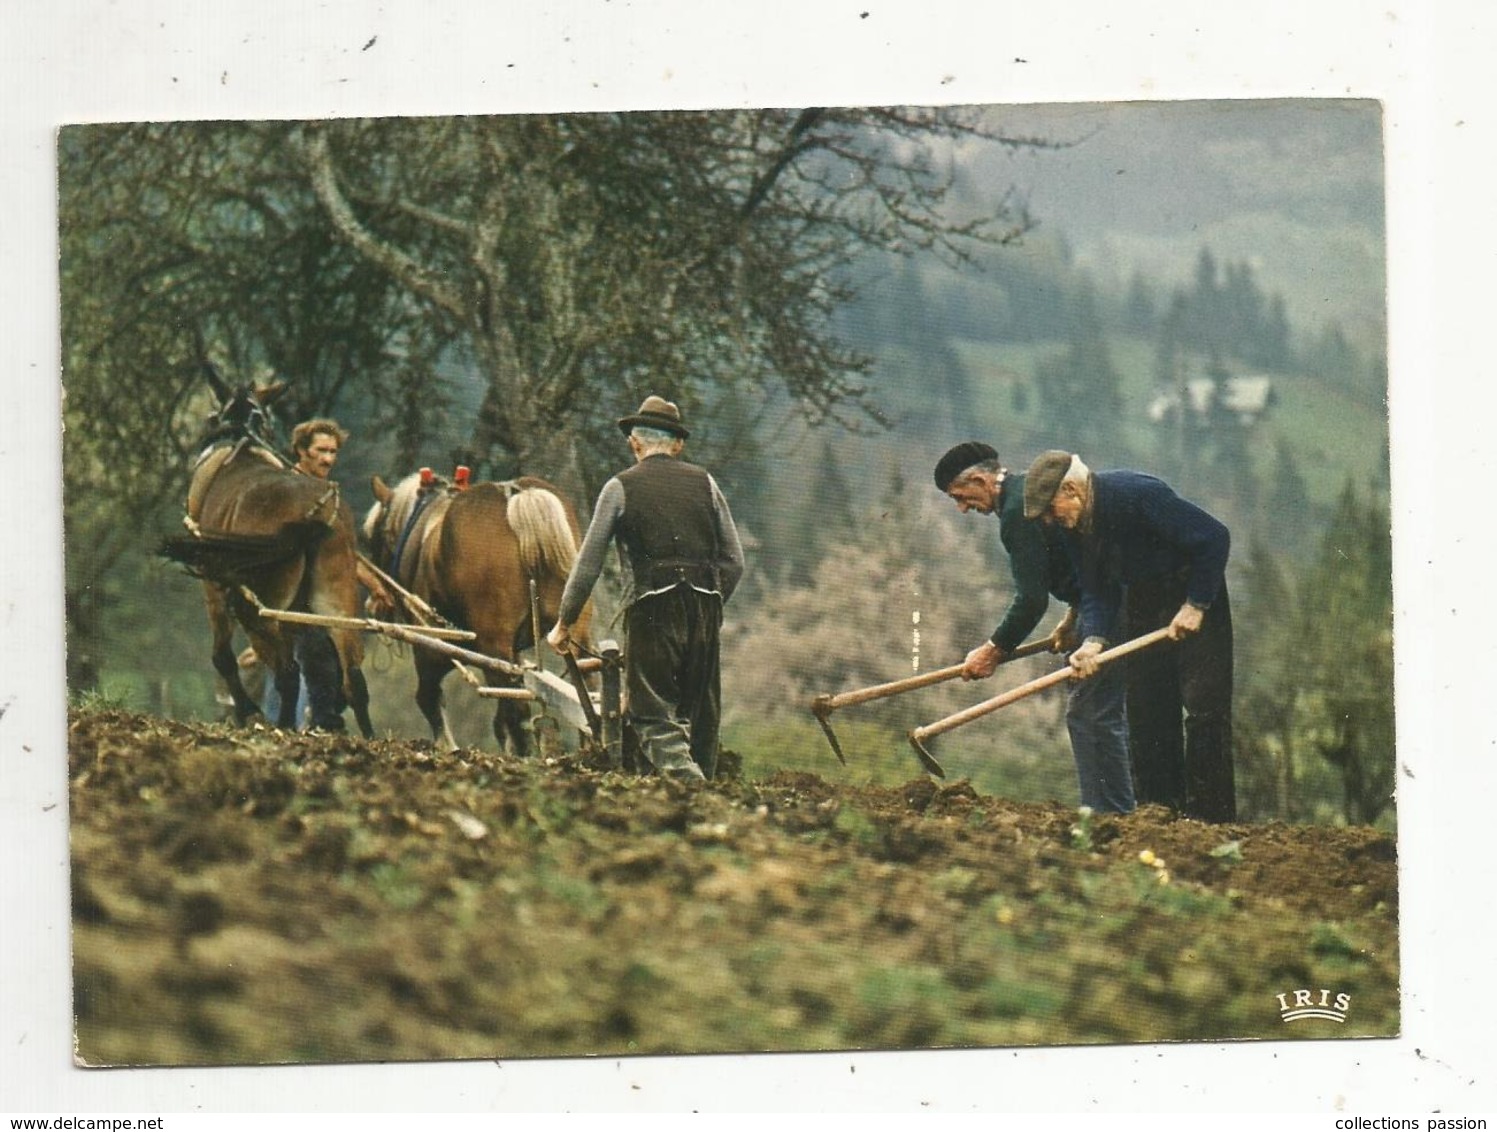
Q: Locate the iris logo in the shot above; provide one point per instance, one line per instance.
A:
(1297, 1005)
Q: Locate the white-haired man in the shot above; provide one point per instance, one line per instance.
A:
(681, 560)
(1146, 558)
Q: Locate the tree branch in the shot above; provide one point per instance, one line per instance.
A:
(419, 279)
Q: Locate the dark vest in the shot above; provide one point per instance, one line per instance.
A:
(668, 530)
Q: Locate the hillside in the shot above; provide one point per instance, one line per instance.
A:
(245, 896)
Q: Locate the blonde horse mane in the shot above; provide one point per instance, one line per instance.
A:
(394, 515)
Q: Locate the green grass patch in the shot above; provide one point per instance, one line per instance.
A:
(903, 1007)
(396, 887)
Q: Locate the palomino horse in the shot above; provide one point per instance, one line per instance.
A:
(288, 539)
(471, 554)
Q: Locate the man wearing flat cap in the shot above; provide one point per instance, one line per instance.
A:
(681, 560)
(1146, 558)
(973, 477)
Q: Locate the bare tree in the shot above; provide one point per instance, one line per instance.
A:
(584, 260)
(569, 263)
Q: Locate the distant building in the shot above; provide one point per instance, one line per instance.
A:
(1249, 397)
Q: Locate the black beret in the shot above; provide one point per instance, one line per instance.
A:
(960, 458)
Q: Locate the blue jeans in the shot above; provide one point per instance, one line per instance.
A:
(272, 700)
(1097, 718)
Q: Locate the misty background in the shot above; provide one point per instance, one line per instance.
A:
(1191, 289)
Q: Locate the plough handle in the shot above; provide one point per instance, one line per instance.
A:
(574, 670)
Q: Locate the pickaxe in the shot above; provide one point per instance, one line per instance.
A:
(977, 711)
(823, 706)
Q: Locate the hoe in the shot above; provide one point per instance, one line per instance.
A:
(823, 706)
(987, 707)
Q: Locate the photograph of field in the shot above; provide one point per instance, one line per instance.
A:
(831, 298)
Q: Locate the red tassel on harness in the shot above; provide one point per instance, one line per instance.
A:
(460, 477)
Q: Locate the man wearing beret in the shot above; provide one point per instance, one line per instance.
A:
(681, 560)
(1146, 558)
(975, 480)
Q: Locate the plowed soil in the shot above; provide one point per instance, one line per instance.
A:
(252, 896)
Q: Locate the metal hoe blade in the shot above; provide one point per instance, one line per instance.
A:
(927, 760)
(821, 708)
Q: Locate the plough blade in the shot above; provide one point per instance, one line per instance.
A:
(556, 694)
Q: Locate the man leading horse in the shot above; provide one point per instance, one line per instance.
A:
(315, 444)
(264, 537)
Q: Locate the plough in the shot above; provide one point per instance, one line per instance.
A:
(599, 715)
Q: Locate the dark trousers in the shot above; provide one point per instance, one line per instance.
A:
(316, 683)
(1189, 767)
(673, 680)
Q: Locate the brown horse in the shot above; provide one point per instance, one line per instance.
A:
(289, 539)
(471, 555)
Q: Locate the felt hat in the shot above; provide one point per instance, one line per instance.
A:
(656, 412)
(1043, 481)
(957, 460)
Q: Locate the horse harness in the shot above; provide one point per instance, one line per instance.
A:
(216, 458)
(508, 489)
(398, 550)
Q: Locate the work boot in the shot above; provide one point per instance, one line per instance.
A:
(668, 748)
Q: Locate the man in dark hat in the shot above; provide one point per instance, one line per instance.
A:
(681, 560)
(1146, 558)
(975, 480)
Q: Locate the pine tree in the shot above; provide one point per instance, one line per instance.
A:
(1277, 353)
(1346, 714)
(1138, 307)
(1080, 389)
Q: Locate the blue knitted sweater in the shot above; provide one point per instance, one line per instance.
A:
(1142, 531)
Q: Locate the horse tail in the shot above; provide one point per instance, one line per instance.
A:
(547, 544)
(234, 560)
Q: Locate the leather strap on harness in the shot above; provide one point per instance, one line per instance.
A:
(330, 493)
(398, 550)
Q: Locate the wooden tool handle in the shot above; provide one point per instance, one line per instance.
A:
(1060, 676)
(893, 688)
(924, 680)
